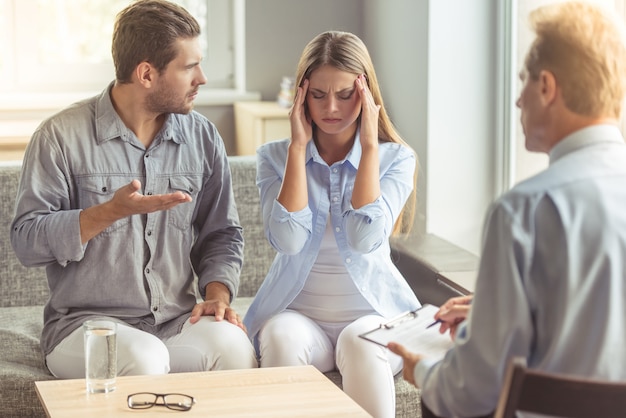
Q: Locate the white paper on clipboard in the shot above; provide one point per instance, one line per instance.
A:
(411, 331)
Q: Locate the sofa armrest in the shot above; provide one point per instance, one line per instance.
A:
(429, 264)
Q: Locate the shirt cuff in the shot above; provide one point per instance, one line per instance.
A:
(64, 239)
(280, 214)
(422, 370)
(371, 211)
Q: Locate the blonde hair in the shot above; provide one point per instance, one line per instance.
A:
(346, 52)
(585, 49)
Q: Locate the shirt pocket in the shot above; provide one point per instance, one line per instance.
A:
(180, 216)
(95, 190)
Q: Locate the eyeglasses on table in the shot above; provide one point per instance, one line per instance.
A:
(175, 401)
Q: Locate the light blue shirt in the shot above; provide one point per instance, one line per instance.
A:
(141, 269)
(362, 234)
(551, 284)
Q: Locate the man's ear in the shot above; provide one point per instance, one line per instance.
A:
(549, 89)
(145, 74)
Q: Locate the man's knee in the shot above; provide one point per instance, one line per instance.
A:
(143, 358)
(234, 351)
(210, 345)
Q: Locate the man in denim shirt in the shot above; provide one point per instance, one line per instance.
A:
(125, 198)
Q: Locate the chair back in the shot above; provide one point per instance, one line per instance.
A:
(551, 394)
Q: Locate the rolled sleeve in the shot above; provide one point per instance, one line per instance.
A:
(366, 226)
(44, 229)
(48, 238)
(289, 231)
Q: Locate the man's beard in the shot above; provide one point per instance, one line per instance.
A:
(164, 101)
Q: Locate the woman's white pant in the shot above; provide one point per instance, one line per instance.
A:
(367, 369)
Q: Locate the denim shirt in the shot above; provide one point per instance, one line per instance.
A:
(362, 234)
(139, 270)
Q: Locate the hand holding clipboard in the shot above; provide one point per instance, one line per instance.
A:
(415, 331)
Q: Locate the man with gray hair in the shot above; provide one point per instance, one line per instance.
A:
(550, 285)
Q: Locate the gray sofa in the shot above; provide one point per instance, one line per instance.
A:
(23, 293)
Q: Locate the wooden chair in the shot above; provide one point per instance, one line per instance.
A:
(558, 395)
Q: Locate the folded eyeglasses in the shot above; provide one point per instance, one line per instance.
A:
(175, 401)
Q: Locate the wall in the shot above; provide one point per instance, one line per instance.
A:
(461, 118)
(278, 30)
(436, 62)
(396, 33)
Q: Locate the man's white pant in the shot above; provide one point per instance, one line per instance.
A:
(205, 345)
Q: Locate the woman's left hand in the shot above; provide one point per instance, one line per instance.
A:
(369, 113)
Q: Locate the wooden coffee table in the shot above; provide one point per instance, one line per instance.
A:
(267, 392)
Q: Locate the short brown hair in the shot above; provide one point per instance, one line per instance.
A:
(585, 49)
(147, 30)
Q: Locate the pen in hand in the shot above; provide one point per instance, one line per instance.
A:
(438, 321)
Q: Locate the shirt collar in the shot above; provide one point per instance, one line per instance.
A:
(585, 137)
(109, 125)
(353, 157)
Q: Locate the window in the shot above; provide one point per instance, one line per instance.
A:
(64, 46)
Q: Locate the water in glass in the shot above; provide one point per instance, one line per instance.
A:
(100, 356)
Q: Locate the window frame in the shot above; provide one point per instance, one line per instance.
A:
(26, 90)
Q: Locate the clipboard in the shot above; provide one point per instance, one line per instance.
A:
(411, 330)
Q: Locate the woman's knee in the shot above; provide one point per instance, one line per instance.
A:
(353, 351)
(291, 339)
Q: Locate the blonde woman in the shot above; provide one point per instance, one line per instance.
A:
(331, 197)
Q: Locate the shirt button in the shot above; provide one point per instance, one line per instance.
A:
(155, 308)
(348, 260)
(334, 170)
(149, 233)
(104, 189)
(147, 271)
(338, 229)
(335, 199)
(149, 193)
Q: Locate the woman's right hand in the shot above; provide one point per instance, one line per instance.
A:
(301, 127)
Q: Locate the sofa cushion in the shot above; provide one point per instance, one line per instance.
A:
(19, 286)
(258, 253)
(21, 360)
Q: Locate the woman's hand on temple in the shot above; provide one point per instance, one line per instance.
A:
(369, 113)
(301, 127)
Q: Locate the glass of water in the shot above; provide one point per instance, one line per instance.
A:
(100, 355)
